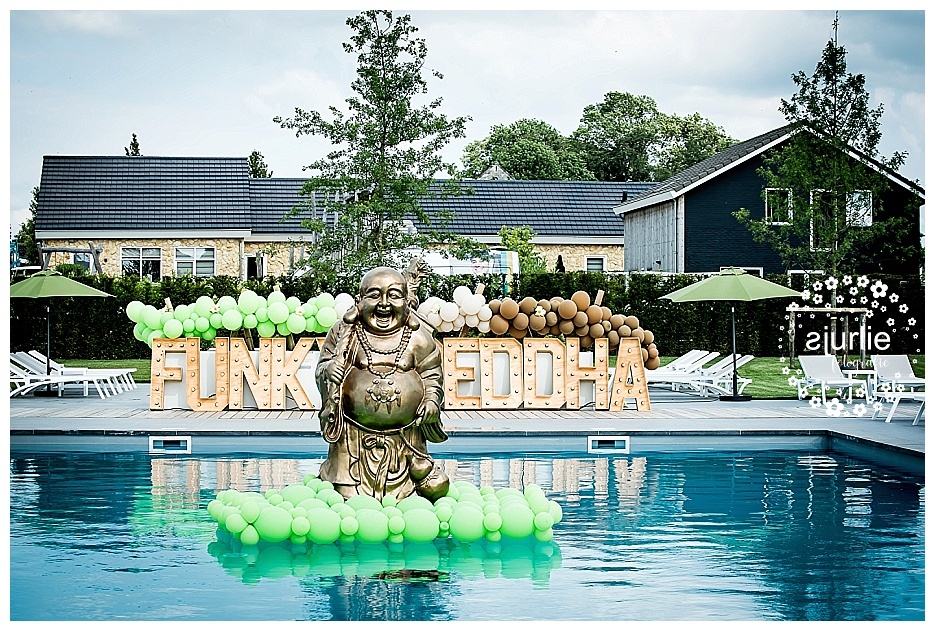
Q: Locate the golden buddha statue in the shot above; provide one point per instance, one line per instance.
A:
(380, 377)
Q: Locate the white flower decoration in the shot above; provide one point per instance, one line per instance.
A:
(827, 305)
(793, 381)
(854, 291)
(878, 289)
(882, 308)
(853, 301)
(806, 295)
(875, 304)
(863, 300)
(817, 299)
(894, 298)
(831, 284)
(904, 308)
(834, 407)
(785, 370)
(815, 402)
(860, 409)
(911, 322)
(877, 406)
(817, 285)
(890, 322)
(839, 299)
(860, 393)
(847, 280)
(900, 388)
(862, 281)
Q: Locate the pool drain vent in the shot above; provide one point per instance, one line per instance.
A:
(608, 444)
(170, 444)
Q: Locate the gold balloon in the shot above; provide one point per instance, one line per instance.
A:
(581, 318)
(594, 314)
(527, 305)
(509, 308)
(536, 322)
(566, 327)
(632, 322)
(582, 300)
(567, 309)
(652, 363)
(499, 325)
(495, 306)
(520, 321)
(596, 330)
(616, 321)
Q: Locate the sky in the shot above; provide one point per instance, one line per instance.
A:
(190, 80)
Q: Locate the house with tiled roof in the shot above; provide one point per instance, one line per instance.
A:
(686, 223)
(160, 216)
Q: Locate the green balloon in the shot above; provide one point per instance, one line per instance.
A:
(173, 329)
(275, 296)
(421, 525)
(266, 329)
(326, 316)
(373, 526)
(311, 503)
(232, 319)
(225, 304)
(183, 312)
(209, 335)
(297, 493)
(235, 523)
(324, 300)
(165, 316)
(282, 329)
(154, 335)
(301, 526)
(250, 536)
(310, 308)
(262, 315)
(543, 521)
(293, 303)
(466, 525)
(443, 512)
(396, 524)
(216, 320)
(311, 323)
(324, 525)
(133, 309)
(544, 535)
(517, 521)
(274, 524)
(248, 302)
(555, 509)
(249, 321)
(203, 306)
(414, 501)
(295, 323)
(150, 316)
(391, 511)
(188, 325)
(357, 502)
(492, 521)
(277, 312)
(138, 329)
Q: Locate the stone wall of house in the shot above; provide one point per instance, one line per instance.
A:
(280, 256)
(574, 257)
(227, 253)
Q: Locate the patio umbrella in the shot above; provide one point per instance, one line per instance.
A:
(51, 284)
(731, 284)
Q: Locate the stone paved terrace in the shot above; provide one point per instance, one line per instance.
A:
(77, 421)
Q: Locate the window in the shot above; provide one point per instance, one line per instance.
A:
(82, 260)
(142, 262)
(860, 209)
(595, 263)
(194, 261)
(822, 233)
(778, 206)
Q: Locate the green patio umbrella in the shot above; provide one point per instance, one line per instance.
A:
(51, 284)
(732, 284)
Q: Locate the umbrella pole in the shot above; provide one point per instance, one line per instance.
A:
(48, 355)
(733, 396)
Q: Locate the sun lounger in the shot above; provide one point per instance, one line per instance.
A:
(714, 380)
(823, 371)
(29, 365)
(122, 378)
(668, 375)
(23, 381)
(893, 373)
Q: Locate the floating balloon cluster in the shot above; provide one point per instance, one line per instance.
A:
(576, 316)
(315, 512)
(271, 316)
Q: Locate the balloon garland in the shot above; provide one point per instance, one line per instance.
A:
(315, 512)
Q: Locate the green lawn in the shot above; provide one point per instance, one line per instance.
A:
(769, 382)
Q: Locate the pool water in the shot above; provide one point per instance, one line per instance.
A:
(763, 535)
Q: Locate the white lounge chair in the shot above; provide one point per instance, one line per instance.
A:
(716, 379)
(121, 377)
(893, 373)
(29, 365)
(823, 371)
(673, 376)
(23, 381)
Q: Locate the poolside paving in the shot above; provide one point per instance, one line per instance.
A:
(672, 415)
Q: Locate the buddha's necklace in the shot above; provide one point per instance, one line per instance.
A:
(383, 390)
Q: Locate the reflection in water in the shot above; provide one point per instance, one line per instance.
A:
(751, 536)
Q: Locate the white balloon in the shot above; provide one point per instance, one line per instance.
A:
(472, 304)
(460, 293)
(485, 313)
(471, 320)
(445, 327)
(434, 319)
(483, 326)
(343, 302)
(448, 311)
(458, 323)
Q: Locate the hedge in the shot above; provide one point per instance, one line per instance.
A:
(92, 328)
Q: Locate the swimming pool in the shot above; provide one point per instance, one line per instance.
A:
(764, 535)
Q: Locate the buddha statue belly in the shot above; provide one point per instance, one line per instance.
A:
(382, 403)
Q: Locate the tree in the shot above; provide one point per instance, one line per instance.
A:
(828, 203)
(134, 148)
(519, 240)
(529, 150)
(625, 138)
(26, 237)
(386, 157)
(257, 167)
